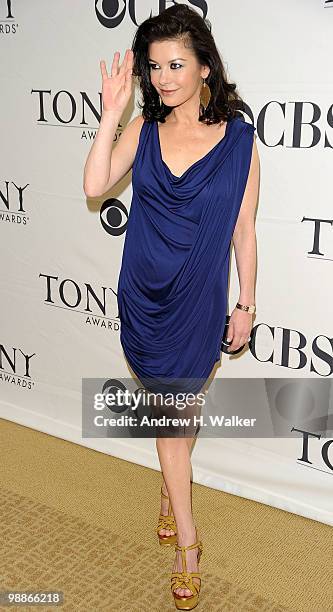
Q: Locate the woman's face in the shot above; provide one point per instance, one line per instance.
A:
(175, 69)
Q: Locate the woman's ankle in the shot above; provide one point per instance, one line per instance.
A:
(186, 534)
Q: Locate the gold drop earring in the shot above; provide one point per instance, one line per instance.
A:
(205, 94)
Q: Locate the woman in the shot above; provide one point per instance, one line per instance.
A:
(195, 185)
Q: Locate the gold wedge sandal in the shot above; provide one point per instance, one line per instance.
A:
(167, 522)
(183, 580)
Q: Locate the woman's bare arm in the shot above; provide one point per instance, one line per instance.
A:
(107, 165)
(244, 237)
(104, 167)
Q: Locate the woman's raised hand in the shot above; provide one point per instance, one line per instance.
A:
(117, 88)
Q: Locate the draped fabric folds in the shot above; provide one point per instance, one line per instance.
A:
(172, 287)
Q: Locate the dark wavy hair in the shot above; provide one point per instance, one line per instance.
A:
(182, 22)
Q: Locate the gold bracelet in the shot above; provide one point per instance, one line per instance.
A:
(250, 309)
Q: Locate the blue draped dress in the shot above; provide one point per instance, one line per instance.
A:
(172, 287)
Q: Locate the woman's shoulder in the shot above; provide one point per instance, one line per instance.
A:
(138, 121)
(244, 125)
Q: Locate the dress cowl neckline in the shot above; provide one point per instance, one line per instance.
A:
(195, 164)
(202, 171)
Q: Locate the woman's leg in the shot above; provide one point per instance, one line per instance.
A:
(191, 430)
(164, 501)
(175, 462)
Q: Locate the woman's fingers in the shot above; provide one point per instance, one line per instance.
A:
(103, 69)
(114, 67)
(128, 78)
(127, 64)
(124, 63)
(237, 341)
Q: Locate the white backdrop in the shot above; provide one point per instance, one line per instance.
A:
(61, 253)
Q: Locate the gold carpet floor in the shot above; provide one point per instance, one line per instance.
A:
(83, 522)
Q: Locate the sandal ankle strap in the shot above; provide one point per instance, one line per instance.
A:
(167, 497)
(163, 494)
(183, 550)
(197, 544)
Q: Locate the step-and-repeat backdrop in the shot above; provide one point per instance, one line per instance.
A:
(61, 252)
